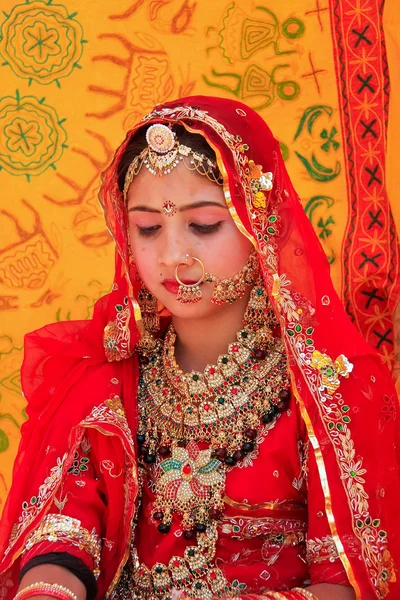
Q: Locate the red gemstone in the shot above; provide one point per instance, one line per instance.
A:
(234, 391)
(187, 469)
(165, 392)
(178, 407)
(212, 371)
(255, 367)
(213, 575)
(207, 407)
(176, 563)
(276, 332)
(154, 371)
(235, 348)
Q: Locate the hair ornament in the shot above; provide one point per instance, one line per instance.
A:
(259, 182)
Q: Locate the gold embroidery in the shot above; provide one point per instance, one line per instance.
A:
(60, 528)
(330, 370)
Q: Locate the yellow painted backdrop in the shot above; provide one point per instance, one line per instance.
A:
(75, 76)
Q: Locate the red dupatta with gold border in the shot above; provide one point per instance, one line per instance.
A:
(346, 396)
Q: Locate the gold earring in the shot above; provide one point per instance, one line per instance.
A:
(232, 289)
(189, 293)
(149, 309)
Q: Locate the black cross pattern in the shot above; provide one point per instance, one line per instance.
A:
(375, 219)
(369, 259)
(383, 337)
(372, 295)
(373, 177)
(361, 36)
(365, 83)
(368, 128)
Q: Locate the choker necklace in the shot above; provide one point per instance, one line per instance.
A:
(198, 425)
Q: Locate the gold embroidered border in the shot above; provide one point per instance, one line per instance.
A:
(61, 528)
(327, 493)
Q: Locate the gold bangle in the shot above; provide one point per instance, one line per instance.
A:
(41, 588)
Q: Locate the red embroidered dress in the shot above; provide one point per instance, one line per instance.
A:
(328, 469)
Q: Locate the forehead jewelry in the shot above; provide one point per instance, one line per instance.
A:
(164, 152)
(169, 208)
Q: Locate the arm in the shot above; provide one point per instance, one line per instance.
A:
(54, 574)
(65, 547)
(327, 591)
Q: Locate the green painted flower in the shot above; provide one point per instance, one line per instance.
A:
(23, 136)
(32, 136)
(41, 42)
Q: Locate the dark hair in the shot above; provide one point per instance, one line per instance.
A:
(138, 142)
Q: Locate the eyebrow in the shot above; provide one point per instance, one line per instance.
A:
(201, 204)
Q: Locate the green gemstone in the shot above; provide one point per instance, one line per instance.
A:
(272, 219)
(290, 333)
(244, 334)
(197, 585)
(329, 372)
(225, 360)
(353, 473)
(339, 426)
(119, 307)
(309, 342)
(345, 408)
(376, 522)
(309, 330)
(221, 400)
(271, 229)
(245, 147)
(33, 500)
(359, 523)
(195, 378)
(346, 419)
(159, 570)
(259, 292)
(191, 552)
(331, 425)
(368, 521)
(190, 410)
(298, 328)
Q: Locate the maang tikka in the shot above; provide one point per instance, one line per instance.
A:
(164, 152)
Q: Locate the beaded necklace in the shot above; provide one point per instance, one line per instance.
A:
(198, 425)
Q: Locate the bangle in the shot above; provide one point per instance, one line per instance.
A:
(47, 589)
(302, 593)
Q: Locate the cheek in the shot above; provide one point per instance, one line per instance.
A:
(228, 255)
(144, 257)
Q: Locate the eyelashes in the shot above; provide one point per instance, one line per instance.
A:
(196, 227)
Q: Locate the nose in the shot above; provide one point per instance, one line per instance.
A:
(174, 251)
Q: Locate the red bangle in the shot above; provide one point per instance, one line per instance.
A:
(47, 589)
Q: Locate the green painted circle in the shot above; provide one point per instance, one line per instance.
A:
(290, 32)
(288, 90)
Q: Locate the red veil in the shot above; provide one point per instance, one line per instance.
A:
(73, 376)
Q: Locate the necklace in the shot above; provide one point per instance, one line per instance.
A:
(198, 425)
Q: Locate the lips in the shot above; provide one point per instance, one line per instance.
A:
(172, 286)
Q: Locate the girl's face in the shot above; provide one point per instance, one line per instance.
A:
(200, 226)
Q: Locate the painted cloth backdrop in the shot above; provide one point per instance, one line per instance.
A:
(75, 76)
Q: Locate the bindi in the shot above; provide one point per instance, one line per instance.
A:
(169, 208)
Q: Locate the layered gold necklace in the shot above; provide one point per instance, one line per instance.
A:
(195, 426)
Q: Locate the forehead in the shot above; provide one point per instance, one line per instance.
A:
(179, 186)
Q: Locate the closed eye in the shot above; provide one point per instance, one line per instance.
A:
(206, 229)
(148, 231)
